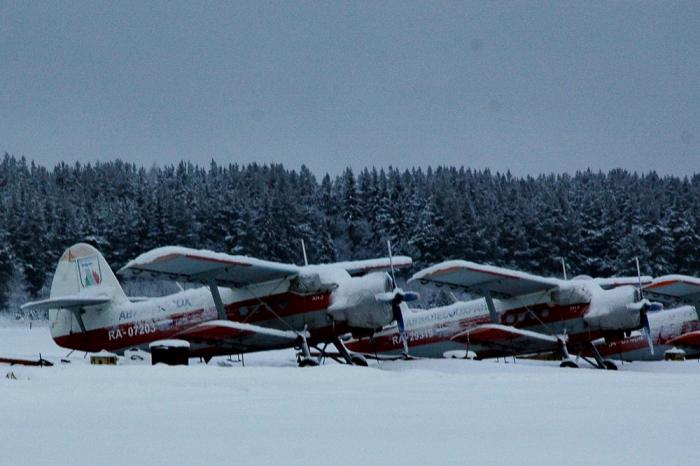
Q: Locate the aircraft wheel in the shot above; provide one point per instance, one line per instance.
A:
(570, 364)
(609, 365)
(358, 360)
(307, 362)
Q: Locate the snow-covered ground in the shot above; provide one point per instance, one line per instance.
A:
(271, 412)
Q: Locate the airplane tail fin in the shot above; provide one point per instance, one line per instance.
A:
(83, 270)
(83, 281)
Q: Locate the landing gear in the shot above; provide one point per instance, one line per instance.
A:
(601, 363)
(567, 360)
(343, 356)
(569, 363)
(351, 359)
(305, 359)
(359, 360)
(307, 362)
(609, 365)
(598, 362)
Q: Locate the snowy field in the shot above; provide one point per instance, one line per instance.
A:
(271, 412)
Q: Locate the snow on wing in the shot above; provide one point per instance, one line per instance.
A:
(675, 286)
(202, 266)
(510, 339)
(479, 278)
(382, 264)
(614, 282)
(239, 336)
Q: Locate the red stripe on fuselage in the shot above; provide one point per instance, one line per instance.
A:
(137, 333)
(546, 313)
(284, 305)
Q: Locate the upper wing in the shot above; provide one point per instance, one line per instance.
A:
(508, 340)
(374, 265)
(681, 287)
(66, 302)
(614, 282)
(479, 279)
(202, 266)
(238, 336)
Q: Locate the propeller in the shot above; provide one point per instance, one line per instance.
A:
(396, 297)
(646, 329)
(646, 307)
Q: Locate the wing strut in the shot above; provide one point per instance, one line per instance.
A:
(220, 311)
(491, 306)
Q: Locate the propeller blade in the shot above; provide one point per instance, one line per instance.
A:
(398, 316)
(646, 330)
(397, 296)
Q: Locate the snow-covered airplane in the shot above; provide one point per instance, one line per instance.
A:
(677, 328)
(519, 313)
(246, 304)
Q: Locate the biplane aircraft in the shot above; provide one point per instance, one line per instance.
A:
(677, 328)
(519, 313)
(246, 304)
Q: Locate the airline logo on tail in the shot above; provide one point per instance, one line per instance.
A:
(89, 271)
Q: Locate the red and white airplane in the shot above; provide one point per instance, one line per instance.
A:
(247, 304)
(677, 328)
(518, 314)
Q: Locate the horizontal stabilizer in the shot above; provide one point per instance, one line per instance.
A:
(510, 339)
(66, 302)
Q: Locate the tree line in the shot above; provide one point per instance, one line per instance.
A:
(598, 222)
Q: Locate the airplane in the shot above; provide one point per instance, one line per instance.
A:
(671, 329)
(518, 313)
(246, 304)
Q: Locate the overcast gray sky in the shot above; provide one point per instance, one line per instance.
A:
(528, 86)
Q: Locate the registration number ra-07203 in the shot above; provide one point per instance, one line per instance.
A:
(134, 330)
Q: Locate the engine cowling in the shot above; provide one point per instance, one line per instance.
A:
(354, 302)
(573, 292)
(613, 310)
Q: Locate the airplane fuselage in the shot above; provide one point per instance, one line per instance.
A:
(135, 324)
(664, 325)
(430, 331)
